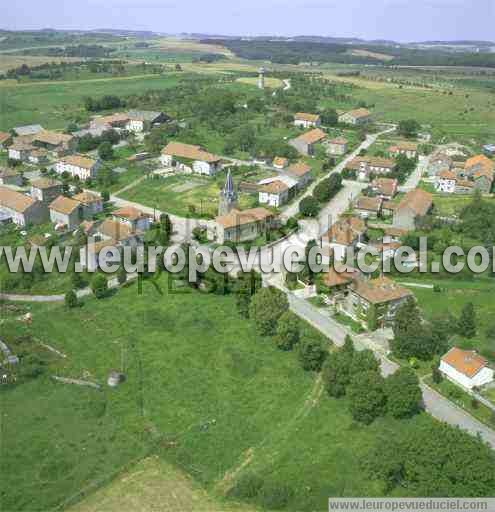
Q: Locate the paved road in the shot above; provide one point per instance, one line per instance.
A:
(415, 177)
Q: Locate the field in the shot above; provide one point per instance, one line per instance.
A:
(271, 83)
(54, 105)
(14, 61)
(178, 194)
(210, 405)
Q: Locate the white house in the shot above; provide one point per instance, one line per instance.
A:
(446, 182)
(135, 219)
(274, 194)
(21, 208)
(304, 120)
(20, 151)
(65, 212)
(144, 120)
(187, 157)
(356, 117)
(78, 165)
(466, 368)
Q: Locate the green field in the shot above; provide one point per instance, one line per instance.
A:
(211, 405)
(54, 105)
(184, 195)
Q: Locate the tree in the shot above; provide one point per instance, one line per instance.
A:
(408, 128)
(105, 196)
(70, 299)
(329, 117)
(336, 372)
(366, 396)
(311, 354)
(436, 374)
(99, 286)
(105, 151)
(77, 280)
(309, 206)
(407, 317)
(466, 325)
(288, 331)
(266, 307)
(416, 343)
(403, 393)
(364, 361)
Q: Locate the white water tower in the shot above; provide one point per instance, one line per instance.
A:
(261, 78)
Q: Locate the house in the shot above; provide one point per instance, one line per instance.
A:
(388, 208)
(65, 212)
(20, 151)
(305, 142)
(446, 181)
(144, 120)
(280, 162)
(337, 146)
(61, 143)
(466, 368)
(78, 165)
(10, 177)
(304, 120)
(410, 149)
(5, 140)
(22, 209)
(301, 172)
(135, 219)
(188, 157)
(46, 190)
(414, 206)
(439, 162)
(481, 170)
(38, 156)
(368, 207)
(374, 302)
(357, 117)
(92, 204)
(120, 233)
(365, 165)
(274, 194)
(31, 129)
(386, 188)
(241, 226)
(118, 120)
(338, 282)
(345, 234)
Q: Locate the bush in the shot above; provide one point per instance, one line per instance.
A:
(122, 276)
(266, 307)
(77, 280)
(275, 496)
(99, 286)
(71, 299)
(287, 331)
(311, 354)
(309, 206)
(248, 486)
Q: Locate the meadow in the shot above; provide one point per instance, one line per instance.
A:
(211, 406)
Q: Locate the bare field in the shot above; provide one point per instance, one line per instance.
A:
(153, 486)
(190, 45)
(13, 61)
(373, 55)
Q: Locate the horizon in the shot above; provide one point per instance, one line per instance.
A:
(393, 20)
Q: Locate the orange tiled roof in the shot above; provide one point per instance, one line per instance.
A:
(79, 161)
(385, 186)
(299, 169)
(15, 200)
(418, 200)
(372, 204)
(380, 290)
(189, 151)
(274, 187)
(280, 161)
(87, 197)
(64, 205)
(129, 213)
(467, 362)
(238, 218)
(346, 230)
(310, 118)
(312, 136)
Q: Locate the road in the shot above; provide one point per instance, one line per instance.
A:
(415, 177)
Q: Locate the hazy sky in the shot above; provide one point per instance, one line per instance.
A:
(401, 20)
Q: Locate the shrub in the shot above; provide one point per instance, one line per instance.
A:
(275, 496)
(287, 331)
(266, 307)
(71, 299)
(309, 206)
(99, 286)
(248, 486)
(311, 354)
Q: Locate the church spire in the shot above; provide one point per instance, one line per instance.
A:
(228, 196)
(229, 185)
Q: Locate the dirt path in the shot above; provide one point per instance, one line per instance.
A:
(224, 485)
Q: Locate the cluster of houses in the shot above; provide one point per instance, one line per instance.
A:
(453, 177)
(136, 121)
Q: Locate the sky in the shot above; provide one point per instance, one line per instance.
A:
(399, 20)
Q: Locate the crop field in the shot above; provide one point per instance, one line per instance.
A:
(14, 61)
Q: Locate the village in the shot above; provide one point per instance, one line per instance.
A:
(347, 186)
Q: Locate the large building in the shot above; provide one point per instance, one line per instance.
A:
(241, 226)
(186, 157)
(366, 165)
(305, 142)
(414, 206)
(357, 117)
(22, 209)
(46, 190)
(78, 166)
(144, 120)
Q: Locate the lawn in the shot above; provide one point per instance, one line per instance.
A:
(454, 294)
(183, 195)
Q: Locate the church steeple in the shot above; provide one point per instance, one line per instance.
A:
(228, 196)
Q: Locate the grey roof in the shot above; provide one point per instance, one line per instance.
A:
(143, 115)
(30, 129)
(94, 132)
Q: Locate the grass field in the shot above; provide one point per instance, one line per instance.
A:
(14, 61)
(54, 105)
(178, 194)
(271, 83)
(210, 405)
